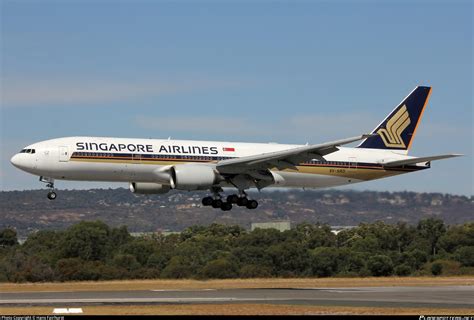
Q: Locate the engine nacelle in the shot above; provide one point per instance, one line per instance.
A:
(194, 177)
(149, 188)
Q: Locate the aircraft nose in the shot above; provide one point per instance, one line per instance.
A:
(15, 160)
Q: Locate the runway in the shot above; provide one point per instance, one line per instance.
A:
(429, 296)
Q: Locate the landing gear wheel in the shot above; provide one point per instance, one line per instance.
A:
(52, 195)
(226, 206)
(233, 198)
(252, 204)
(217, 203)
(242, 202)
(207, 201)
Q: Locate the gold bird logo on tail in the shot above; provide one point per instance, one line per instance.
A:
(392, 134)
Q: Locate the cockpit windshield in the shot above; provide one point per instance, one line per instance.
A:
(28, 151)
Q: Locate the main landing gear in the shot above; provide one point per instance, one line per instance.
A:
(49, 184)
(241, 200)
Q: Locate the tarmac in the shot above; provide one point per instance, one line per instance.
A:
(399, 296)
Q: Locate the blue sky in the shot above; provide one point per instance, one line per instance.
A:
(261, 71)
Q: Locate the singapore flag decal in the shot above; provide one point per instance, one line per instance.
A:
(226, 149)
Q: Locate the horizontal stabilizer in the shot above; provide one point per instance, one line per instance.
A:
(419, 160)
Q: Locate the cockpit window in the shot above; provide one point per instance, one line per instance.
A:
(28, 151)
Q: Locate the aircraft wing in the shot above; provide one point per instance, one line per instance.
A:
(283, 159)
(397, 163)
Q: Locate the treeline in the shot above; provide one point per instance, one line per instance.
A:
(94, 251)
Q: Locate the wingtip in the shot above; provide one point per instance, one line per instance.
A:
(368, 135)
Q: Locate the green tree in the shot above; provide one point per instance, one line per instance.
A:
(465, 255)
(289, 259)
(380, 265)
(87, 240)
(349, 261)
(141, 248)
(119, 237)
(252, 255)
(8, 237)
(432, 230)
(405, 235)
(314, 235)
(457, 236)
(416, 258)
(324, 261)
(44, 244)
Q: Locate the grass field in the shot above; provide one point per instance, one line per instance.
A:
(237, 284)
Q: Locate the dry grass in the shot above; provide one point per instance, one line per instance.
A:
(237, 309)
(237, 284)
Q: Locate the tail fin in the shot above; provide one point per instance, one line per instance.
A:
(398, 129)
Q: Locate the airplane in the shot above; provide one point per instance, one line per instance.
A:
(156, 166)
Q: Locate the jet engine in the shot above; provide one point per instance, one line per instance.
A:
(194, 177)
(148, 188)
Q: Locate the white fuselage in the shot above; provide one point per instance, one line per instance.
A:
(141, 160)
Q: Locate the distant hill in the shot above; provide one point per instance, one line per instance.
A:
(31, 210)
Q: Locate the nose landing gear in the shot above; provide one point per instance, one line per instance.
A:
(51, 195)
(49, 184)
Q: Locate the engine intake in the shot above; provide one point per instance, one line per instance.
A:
(194, 177)
(148, 188)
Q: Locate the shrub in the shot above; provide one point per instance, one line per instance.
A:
(403, 270)
(436, 268)
(255, 271)
(178, 268)
(126, 261)
(219, 269)
(448, 267)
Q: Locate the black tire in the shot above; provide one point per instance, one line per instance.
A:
(252, 204)
(233, 198)
(242, 202)
(217, 203)
(207, 201)
(226, 206)
(52, 195)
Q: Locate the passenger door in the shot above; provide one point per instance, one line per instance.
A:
(63, 154)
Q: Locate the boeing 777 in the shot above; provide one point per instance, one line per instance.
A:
(159, 165)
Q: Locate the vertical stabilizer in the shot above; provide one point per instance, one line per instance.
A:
(398, 129)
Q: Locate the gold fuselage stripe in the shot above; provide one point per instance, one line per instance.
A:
(360, 172)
